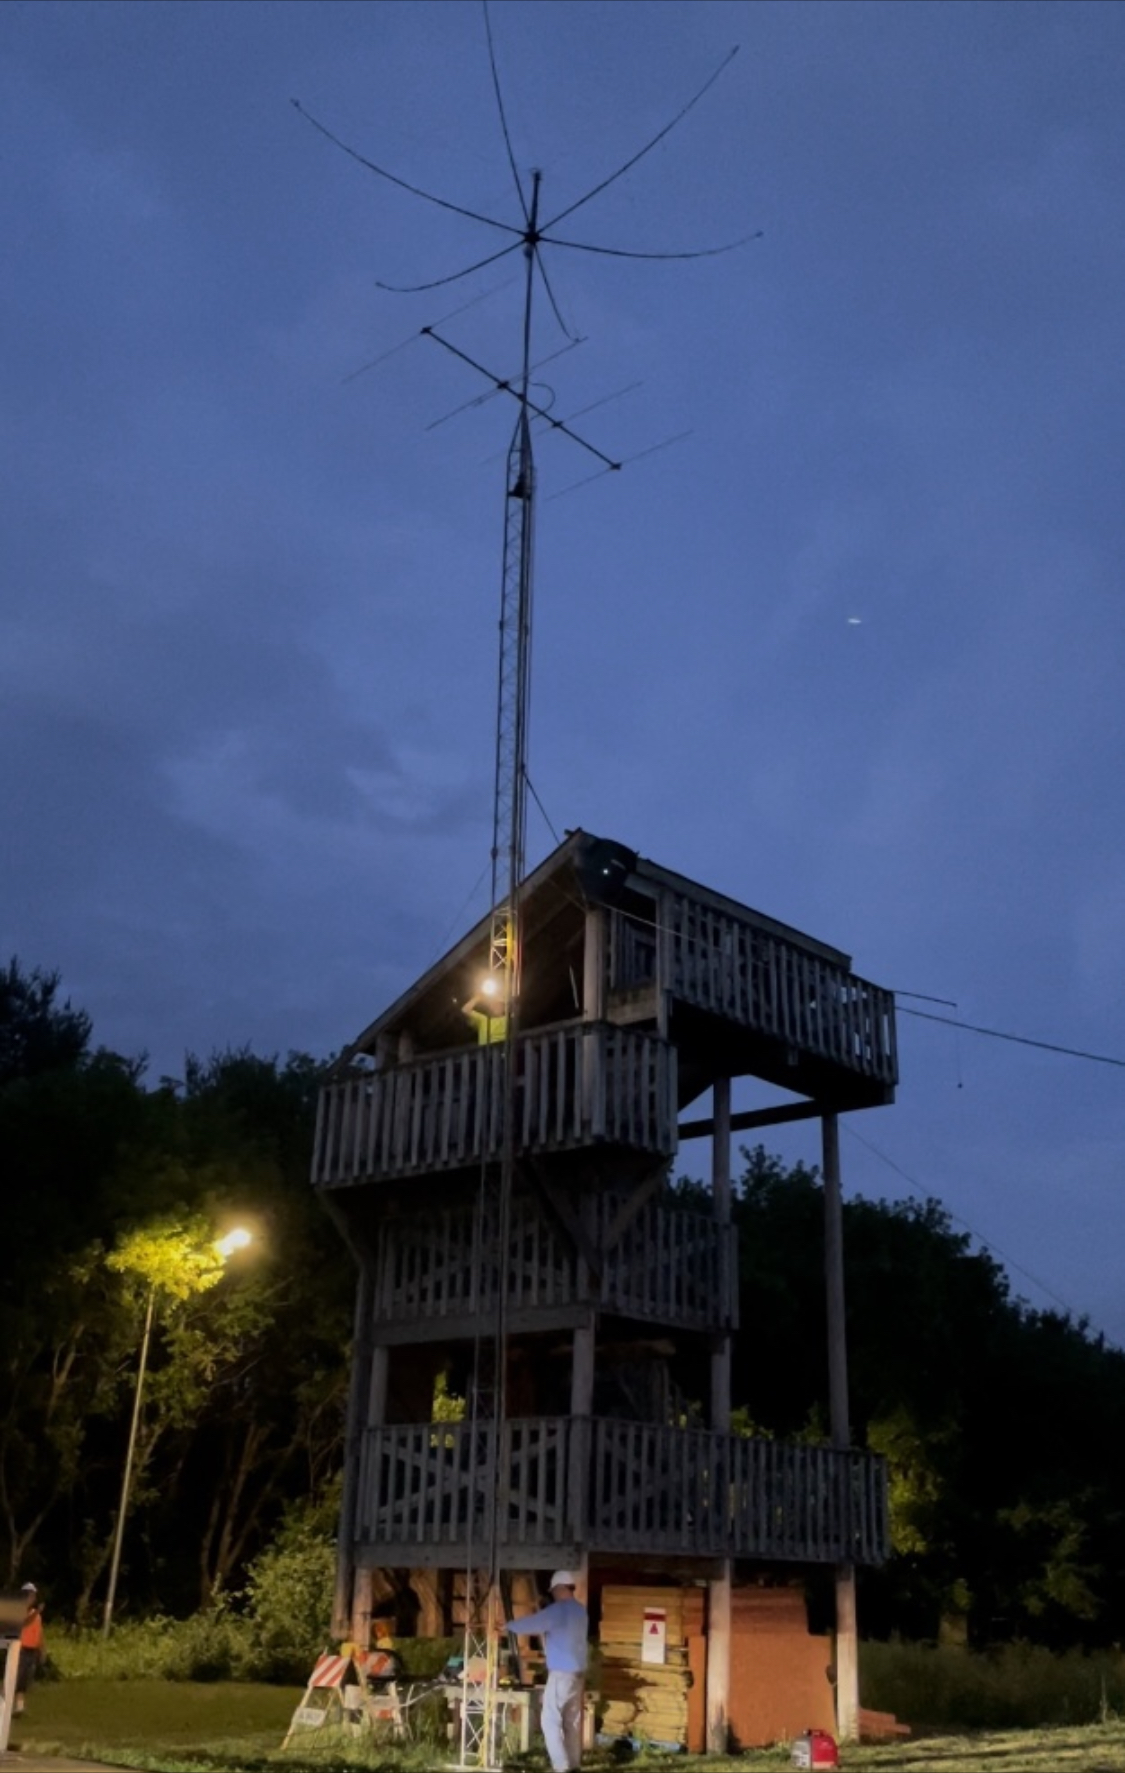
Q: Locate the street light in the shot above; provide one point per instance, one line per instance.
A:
(234, 1240)
(224, 1246)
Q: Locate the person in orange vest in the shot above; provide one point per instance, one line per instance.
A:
(31, 1644)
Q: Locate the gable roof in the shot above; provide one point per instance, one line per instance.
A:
(555, 897)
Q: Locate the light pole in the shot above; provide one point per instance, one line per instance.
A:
(234, 1240)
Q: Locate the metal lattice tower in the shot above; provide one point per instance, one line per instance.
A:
(513, 701)
(481, 1719)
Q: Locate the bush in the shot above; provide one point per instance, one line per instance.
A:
(1014, 1686)
(274, 1631)
(423, 1658)
(209, 1646)
(289, 1593)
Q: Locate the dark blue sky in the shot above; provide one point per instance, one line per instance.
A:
(248, 608)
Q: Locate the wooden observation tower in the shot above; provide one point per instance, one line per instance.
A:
(503, 1182)
(642, 993)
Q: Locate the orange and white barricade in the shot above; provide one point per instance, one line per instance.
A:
(353, 1690)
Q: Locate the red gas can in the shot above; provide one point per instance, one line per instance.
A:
(816, 1748)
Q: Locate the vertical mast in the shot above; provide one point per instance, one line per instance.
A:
(510, 801)
(509, 820)
(481, 1720)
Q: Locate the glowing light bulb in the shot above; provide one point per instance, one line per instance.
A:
(234, 1240)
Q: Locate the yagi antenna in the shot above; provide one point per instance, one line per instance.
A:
(499, 387)
(411, 338)
(518, 389)
(481, 1715)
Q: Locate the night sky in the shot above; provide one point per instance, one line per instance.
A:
(850, 651)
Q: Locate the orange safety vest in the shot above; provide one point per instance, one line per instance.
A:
(31, 1637)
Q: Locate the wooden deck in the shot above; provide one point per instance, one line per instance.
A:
(614, 1486)
(578, 1084)
(748, 974)
(669, 1267)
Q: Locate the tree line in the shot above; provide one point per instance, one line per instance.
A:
(106, 1180)
(1003, 1427)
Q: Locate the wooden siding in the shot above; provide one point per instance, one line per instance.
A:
(669, 1267)
(578, 1084)
(619, 1486)
(717, 961)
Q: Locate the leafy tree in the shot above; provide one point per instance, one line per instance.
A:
(244, 1399)
(61, 1373)
(67, 1116)
(36, 1033)
(289, 1590)
(1003, 1428)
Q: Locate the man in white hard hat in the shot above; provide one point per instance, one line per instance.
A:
(563, 1627)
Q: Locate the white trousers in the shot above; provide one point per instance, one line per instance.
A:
(561, 1718)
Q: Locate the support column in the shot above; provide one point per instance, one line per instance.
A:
(581, 1412)
(719, 1589)
(718, 1661)
(358, 1392)
(362, 1608)
(847, 1633)
(663, 968)
(376, 1415)
(593, 1010)
(721, 1207)
(594, 965)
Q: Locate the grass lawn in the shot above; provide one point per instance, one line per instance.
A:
(123, 1719)
(169, 1727)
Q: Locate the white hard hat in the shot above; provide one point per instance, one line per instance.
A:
(564, 1579)
(29, 1588)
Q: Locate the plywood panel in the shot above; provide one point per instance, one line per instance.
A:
(779, 1684)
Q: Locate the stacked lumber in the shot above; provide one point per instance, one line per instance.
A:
(880, 1726)
(647, 1701)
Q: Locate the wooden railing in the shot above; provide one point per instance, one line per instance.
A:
(667, 1266)
(674, 1267)
(578, 1084)
(754, 976)
(751, 1498)
(422, 1485)
(618, 1486)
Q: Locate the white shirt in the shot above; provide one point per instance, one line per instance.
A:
(563, 1627)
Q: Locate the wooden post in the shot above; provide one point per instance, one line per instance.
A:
(361, 1596)
(361, 1609)
(594, 965)
(834, 1281)
(581, 1410)
(342, 1608)
(431, 1610)
(721, 1206)
(593, 1010)
(847, 1634)
(719, 1590)
(663, 963)
(582, 1371)
(718, 1661)
(377, 1390)
(9, 1673)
